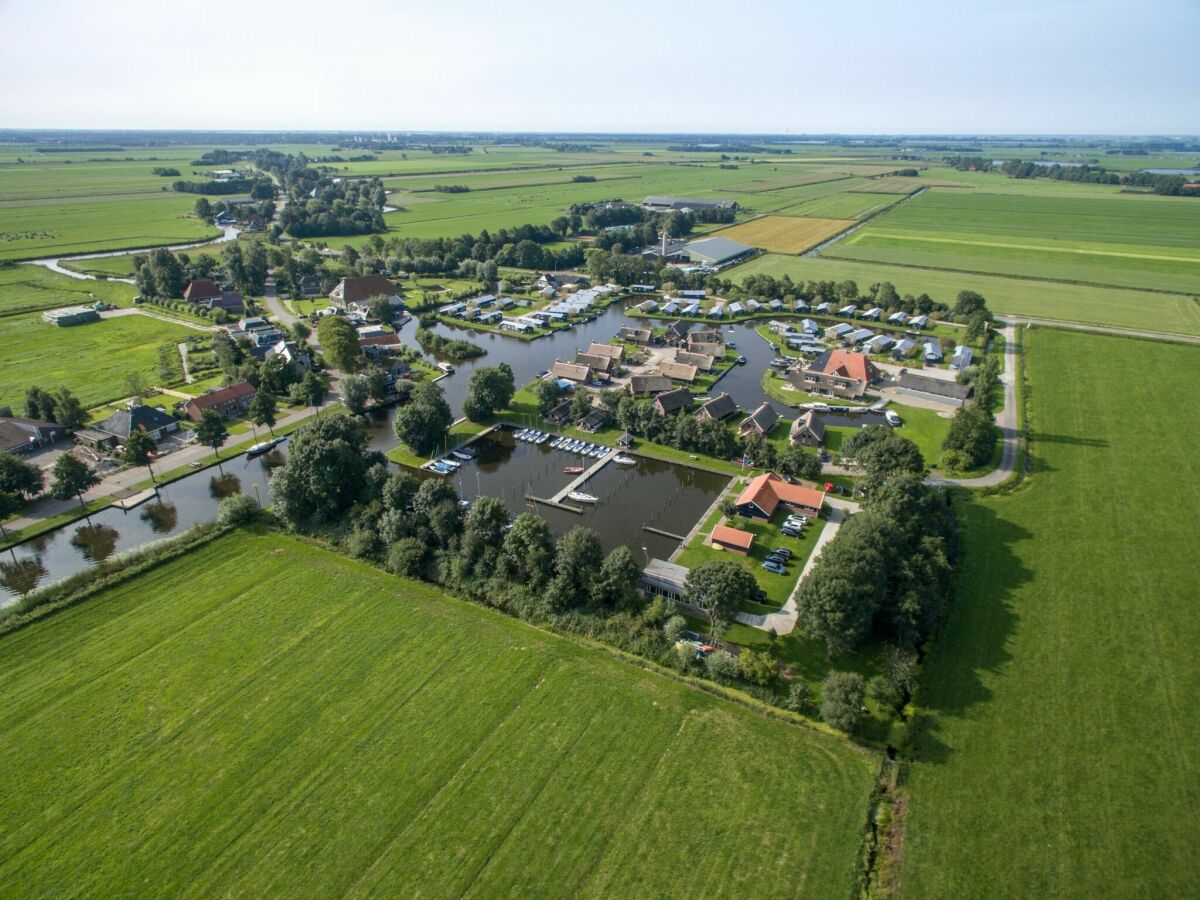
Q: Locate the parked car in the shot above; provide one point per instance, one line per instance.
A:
(792, 531)
(782, 551)
(774, 567)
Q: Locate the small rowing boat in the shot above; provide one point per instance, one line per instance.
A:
(573, 470)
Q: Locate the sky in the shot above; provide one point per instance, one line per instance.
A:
(801, 67)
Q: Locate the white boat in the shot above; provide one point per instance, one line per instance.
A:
(466, 454)
(892, 418)
(543, 438)
(622, 460)
(583, 497)
(451, 463)
(446, 367)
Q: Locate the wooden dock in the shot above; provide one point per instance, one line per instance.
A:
(578, 482)
(128, 503)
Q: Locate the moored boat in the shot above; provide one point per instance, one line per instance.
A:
(583, 497)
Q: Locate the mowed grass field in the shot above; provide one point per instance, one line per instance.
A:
(785, 234)
(1119, 307)
(1060, 754)
(25, 288)
(92, 360)
(34, 230)
(263, 718)
(1149, 243)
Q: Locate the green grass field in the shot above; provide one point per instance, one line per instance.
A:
(264, 718)
(37, 230)
(27, 288)
(1060, 753)
(1010, 296)
(92, 360)
(1151, 242)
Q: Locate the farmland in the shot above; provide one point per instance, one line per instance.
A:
(92, 360)
(298, 723)
(1011, 296)
(27, 288)
(36, 229)
(1148, 243)
(1058, 757)
(785, 234)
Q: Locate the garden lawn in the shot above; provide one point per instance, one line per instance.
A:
(1118, 307)
(92, 360)
(1059, 755)
(28, 288)
(261, 717)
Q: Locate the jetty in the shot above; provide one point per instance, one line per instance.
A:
(578, 482)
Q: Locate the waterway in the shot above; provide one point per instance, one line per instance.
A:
(179, 505)
(660, 495)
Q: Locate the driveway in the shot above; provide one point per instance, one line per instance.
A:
(783, 620)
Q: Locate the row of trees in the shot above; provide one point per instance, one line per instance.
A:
(888, 573)
(332, 487)
(972, 438)
(1087, 173)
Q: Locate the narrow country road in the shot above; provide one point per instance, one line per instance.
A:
(1006, 420)
(53, 263)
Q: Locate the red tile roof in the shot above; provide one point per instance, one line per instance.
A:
(384, 340)
(220, 395)
(849, 365)
(201, 289)
(734, 537)
(768, 490)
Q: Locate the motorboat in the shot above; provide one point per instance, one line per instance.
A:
(264, 446)
(446, 367)
(451, 463)
(464, 453)
(583, 497)
(741, 360)
(892, 417)
(622, 460)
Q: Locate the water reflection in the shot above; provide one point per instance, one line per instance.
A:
(162, 517)
(22, 576)
(95, 542)
(221, 486)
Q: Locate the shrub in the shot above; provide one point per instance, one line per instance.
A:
(756, 666)
(721, 666)
(798, 698)
(407, 557)
(841, 700)
(674, 628)
(237, 510)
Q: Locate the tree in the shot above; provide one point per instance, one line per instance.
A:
(71, 477)
(237, 509)
(968, 302)
(262, 409)
(548, 394)
(211, 432)
(325, 471)
(425, 421)
(491, 388)
(135, 383)
(976, 327)
(407, 557)
(971, 438)
(881, 453)
(581, 404)
(339, 342)
(842, 696)
(203, 209)
(380, 308)
(527, 556)
(19, 477)
(68, 411)
(839, 598)
(356, 391)
(796, 462)
(720, 588)
(578, 557)
(617, 584)
(377, 383)
(483, 537)
(300, 332)
(39, 404)
(9, 504)
(139, 451)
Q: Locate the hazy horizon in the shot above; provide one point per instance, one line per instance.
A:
(1087, 68)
